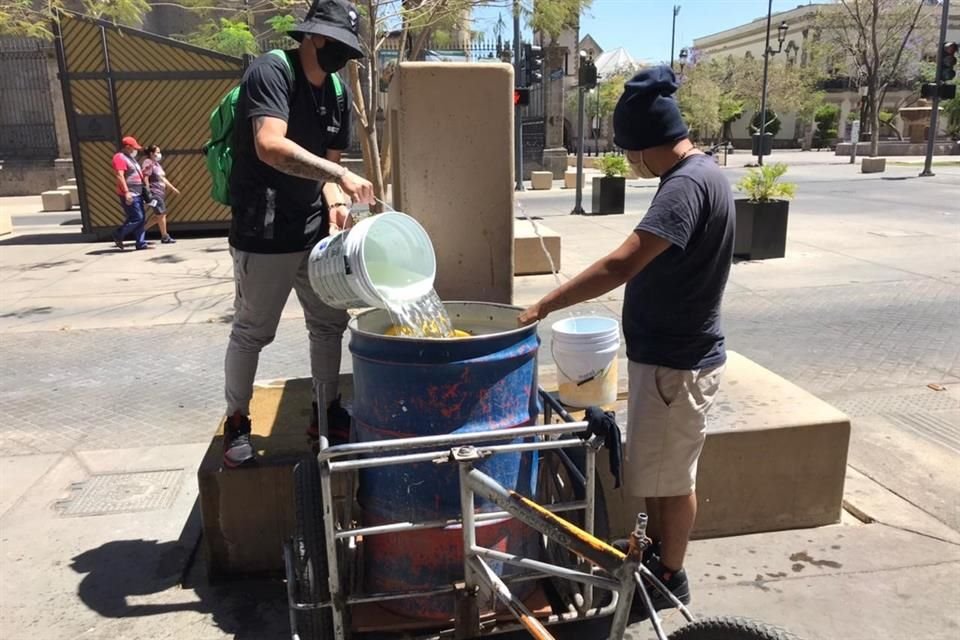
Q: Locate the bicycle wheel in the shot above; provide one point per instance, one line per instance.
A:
(730, 628)
(557, 485)
(310, 554)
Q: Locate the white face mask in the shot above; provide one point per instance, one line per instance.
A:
(133, 153)
(157, 156)
(642, 170)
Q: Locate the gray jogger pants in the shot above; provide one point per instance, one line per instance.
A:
(263, 283)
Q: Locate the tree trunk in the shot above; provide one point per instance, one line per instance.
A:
(368, 138)
(874, 117)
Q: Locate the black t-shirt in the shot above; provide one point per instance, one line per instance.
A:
(274, 212)
(671, 309)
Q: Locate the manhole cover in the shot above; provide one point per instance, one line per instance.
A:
(124, 492)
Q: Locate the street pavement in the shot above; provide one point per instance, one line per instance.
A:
(111, 363)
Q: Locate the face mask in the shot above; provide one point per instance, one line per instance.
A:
(333, 56)
(133, 153)
(157, 156)
(642, 170)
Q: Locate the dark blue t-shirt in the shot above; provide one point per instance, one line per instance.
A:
(671, 309)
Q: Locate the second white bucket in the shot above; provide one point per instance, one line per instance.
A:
(585, 350)
(385, 258)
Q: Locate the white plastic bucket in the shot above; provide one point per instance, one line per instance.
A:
(386, 257)
(585, 349)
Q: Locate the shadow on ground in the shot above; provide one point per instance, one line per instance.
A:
(137, 578)
(49, 238)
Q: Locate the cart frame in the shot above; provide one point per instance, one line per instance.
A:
(606, 567)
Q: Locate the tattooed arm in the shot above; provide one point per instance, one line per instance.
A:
(275, 149)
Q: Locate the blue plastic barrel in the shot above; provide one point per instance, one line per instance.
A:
(407, 387)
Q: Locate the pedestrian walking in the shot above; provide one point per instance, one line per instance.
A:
(157, 185)
(130, 189)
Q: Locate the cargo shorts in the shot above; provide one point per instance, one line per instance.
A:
(666, 428)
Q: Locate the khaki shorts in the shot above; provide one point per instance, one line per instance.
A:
(666, 428)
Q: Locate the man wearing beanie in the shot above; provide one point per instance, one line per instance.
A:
(675, 265)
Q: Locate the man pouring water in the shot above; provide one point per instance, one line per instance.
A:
(287, 190)
(675, 265)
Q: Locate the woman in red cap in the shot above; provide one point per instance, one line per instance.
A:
(130, 190)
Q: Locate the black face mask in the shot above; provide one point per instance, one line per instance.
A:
(333, 56)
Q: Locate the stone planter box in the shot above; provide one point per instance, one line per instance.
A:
(873, 165)
(541, 180)
(608, 195)
(761, 229)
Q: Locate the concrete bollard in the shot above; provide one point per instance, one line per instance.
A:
(55, 200)
(873, 165)
(541, 180)
(72, 190)
(570, 179)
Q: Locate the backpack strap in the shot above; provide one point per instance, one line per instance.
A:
(341, 94)
(283, 55)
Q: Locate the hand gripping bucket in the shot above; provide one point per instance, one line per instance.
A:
(386, 257)
(585, 351)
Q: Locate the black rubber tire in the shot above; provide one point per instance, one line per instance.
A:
(310, 556)
(560, 593)
(729, 628)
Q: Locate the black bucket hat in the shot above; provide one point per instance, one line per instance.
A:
(335, 19)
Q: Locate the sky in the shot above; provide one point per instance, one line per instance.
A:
(643, 26)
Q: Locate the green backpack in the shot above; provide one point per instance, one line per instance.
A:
(219, 148)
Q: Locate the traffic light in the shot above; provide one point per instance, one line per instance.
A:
(948, 60)
(588, 73)
(532, 64)
(521, 96)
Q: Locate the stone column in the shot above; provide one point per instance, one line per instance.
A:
(59, 110)
(554, 155)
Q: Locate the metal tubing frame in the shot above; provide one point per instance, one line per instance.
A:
(474, 482)
(503, 594)
(547, 568)
(451, 440)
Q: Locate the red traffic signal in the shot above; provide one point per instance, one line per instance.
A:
(521, 97)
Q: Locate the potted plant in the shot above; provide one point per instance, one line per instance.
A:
(609, 190)
(761, 223)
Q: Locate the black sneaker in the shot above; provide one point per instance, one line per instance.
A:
(338, 423)
(675, 581)
(117, 242)
(237, 450)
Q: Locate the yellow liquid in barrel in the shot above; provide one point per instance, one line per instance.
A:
(420, 317)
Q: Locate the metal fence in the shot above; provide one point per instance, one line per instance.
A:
(27, 130)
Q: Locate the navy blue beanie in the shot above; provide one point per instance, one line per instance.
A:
(647, 115)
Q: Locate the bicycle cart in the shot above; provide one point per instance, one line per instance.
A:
(575, 576)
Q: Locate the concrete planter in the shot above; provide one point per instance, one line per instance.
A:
(608, 195)
(873, 165)
(761, 229)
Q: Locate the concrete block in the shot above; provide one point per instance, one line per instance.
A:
(74, 197)
(451, 128)
(775, 458)
(541, 180)
(6, 225)
(56, 200)
(248, 513)
(529, 258)
(873, 165)
(570, 179)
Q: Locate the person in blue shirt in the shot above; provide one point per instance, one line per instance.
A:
(675, 264)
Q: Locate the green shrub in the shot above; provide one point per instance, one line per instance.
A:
(763, 184)
(613, 166)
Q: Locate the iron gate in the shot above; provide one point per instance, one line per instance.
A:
(27, 131)
(119, 81)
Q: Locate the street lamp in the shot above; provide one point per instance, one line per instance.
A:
(684, 54)
(767, 52)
